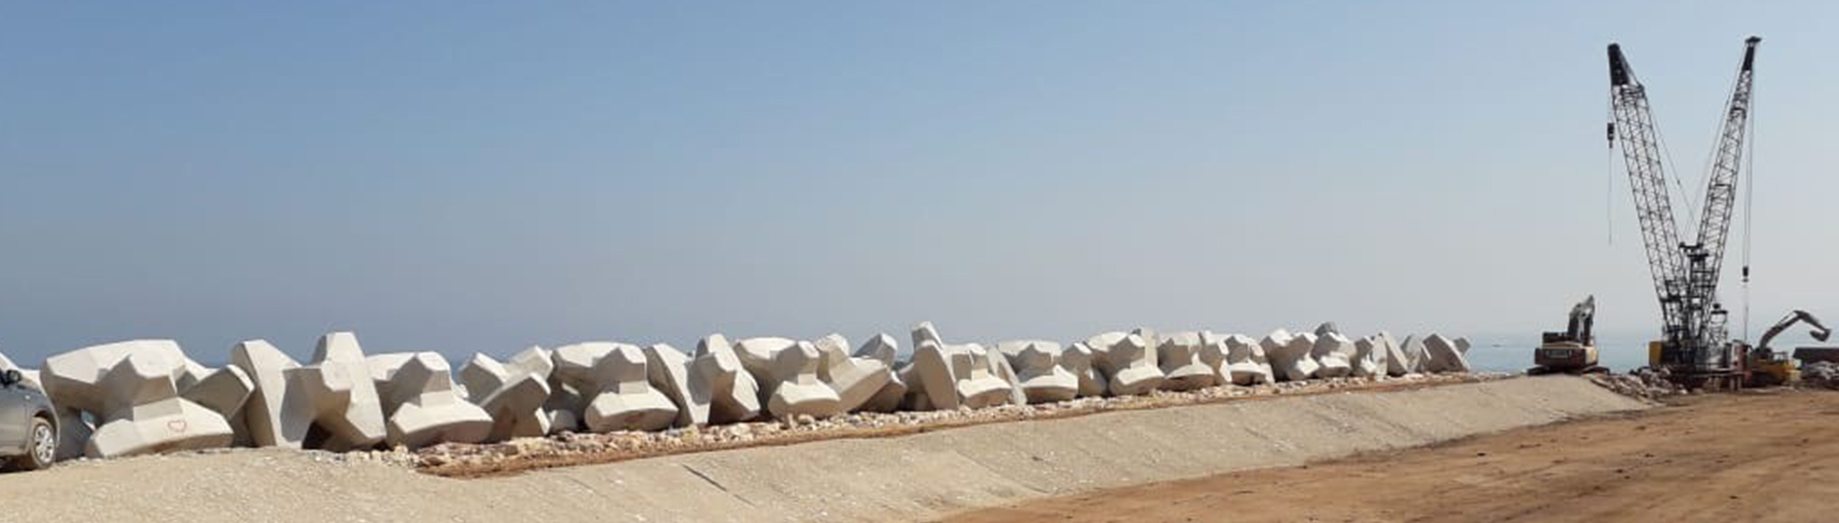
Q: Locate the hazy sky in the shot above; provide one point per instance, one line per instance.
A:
(460, 177)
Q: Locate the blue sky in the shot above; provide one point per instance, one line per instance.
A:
(483, 177)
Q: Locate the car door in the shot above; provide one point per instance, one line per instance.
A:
(13, 417)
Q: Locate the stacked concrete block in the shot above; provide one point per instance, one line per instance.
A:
(1335, 353)
(1416, 358)
(882, 348)
(1397, 364)
(1370, 357)
(668, 370)
(1179, 356)
(999, 367)
(856, 380)
(979, 382)
(944, 376)
(1289, 354)
(334, 393)
(1127, 360)
(1442, 355)
(722, 390)
(145, 396)
(1462, 345)
(512, 392)
(928, 375)
(1246, 362)
(787, 373)
(421, 405)
(615, 382)
(1041, 370)
(1080, 360)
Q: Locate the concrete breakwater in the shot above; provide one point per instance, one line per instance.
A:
(907, 478)
(143, 396)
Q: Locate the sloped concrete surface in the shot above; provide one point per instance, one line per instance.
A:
(902, 478)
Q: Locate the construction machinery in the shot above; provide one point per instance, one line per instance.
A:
(1767, 367)
(1573, 350)
(1695, 348)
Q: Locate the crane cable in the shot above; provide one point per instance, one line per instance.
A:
(1609, 186)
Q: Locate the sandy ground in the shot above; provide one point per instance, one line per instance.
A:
(1759, 456)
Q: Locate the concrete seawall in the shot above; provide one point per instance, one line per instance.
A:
(903, 478)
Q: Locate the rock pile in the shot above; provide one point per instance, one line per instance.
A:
(1821, 374)
(1643, 383)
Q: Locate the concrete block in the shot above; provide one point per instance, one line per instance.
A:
(334, 392)
(421, 406)
(1396, 362)
(1179, 356)
(1443, 356)
(1416, 358)
(512, 392)
(787, 373)
(136, 392)
(145, 414)
(978, 386)
(1246, 362)
(1335, 353)
(884, 349)
(720, 384)
(1369, 357)
(616, 383)
(946, 376)
(1079, 359)
(1041, 373)
(931, 384)
(1128, 362)
(855, 380)
(1462, 345)
(668, 370)
(1290, 354)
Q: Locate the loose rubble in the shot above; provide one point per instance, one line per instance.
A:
(1820, 374)
(1643, 383)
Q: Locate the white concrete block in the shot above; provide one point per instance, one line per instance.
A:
(719, 381)
(615, 383)
(855, 380)
(422, 406)
(1079, 359)
(668, 370)
(512, 392)
(1041, 372)
(1246, 361)
(135, 391)
(1128, 362)
(1290, 354)
(884, 349)
(1443, 356)
(1335, 353)
(1369, 358)
(1179, 356)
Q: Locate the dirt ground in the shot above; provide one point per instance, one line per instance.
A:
(1757, 456)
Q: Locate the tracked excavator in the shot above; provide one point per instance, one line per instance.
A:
(1572, 351)
(1764, 366)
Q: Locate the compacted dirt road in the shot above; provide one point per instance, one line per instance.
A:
(1757, 456)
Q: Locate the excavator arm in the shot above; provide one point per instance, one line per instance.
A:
(1819, 330)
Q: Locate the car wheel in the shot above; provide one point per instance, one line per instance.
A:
(41, 451)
